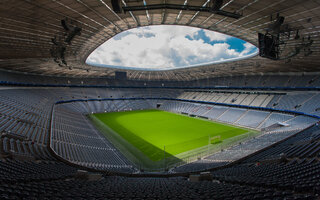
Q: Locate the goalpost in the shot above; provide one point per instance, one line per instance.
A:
(215, 139)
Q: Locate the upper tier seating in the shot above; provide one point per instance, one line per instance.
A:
(297, 80)
(301, 101)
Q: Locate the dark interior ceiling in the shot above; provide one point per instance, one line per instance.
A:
(27, 27)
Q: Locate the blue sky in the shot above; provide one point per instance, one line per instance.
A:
(168, 47)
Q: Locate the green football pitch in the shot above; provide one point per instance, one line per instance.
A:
(150, 131)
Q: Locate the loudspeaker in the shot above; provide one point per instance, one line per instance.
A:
(65, 25)
(268, 46)
(75, 31)
(116, 6)
(276, 26)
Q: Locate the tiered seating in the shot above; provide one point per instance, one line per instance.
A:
(307, 102)
(13, 171)
(231, 81)
(290, 102)
(301, 81)
(294, 147)
(257, 100)
(232, 115)
(287, 170)
(301, 120)
(311, 106)
(276, 118)
(249, 118)
(253, 118)
(216, 112)
(260, 100)
(290, 165)
(202, 110)
(199, 165)
(26, 116)
(236, 152)
(57, 181)
(24, 124)
(76, 140)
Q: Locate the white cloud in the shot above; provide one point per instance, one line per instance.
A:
(163, 47)
(215, 36)
(247, 49)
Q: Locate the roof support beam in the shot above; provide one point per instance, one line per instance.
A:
(180, 7)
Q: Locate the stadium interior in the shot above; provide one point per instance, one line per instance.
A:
(50, 149)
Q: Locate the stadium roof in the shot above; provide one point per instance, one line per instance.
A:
(28, 27)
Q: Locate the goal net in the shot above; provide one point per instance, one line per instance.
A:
(215, 139)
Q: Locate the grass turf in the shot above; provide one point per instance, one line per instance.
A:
(150, 130)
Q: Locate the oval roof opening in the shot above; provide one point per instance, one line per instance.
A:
(167, 47)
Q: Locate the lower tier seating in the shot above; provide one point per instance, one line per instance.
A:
(53, 180)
